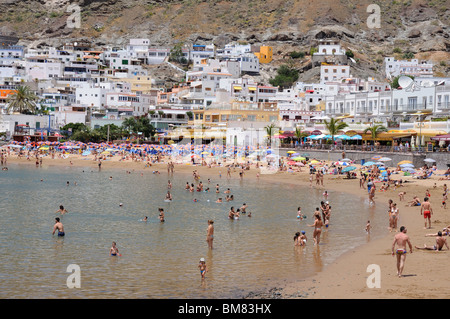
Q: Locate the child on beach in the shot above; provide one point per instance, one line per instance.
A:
(444, 201)
(368, 227)
(202, 267)
(401, 195)
(299, 214)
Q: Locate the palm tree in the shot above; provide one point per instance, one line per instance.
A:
(299, 133)
(334, 126)
(22, 101)
(270, 130)
(375, 130)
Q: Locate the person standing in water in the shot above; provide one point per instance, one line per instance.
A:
(114, 251)
(317, 229)
(58, 227)
(210, 234)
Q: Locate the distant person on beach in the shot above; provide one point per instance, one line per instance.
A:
(401, 240)
(440, 242)
(61, 210)
(58, 227)
(368, 227)
(426, 211)
(210, 234)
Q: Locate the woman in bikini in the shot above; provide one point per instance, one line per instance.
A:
(317, 229)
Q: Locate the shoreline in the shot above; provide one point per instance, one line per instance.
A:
(425, 273)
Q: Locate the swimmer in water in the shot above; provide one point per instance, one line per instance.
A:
(61, 210)
(58, 227)
(114, 251)
(161, 215)
(168, 196)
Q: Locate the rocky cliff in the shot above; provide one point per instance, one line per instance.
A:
(417, 26)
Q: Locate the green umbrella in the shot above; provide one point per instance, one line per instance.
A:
(348, 169)
(299, 158)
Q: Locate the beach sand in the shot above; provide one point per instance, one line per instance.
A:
(425, 274)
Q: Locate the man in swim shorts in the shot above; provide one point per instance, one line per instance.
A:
(58, 227)
(440, 242)
(427, 211)
(401, 239)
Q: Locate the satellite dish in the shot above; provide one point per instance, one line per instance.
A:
(405, 81)
(427, 84)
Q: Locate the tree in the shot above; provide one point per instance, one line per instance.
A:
(349, 53)
(270, 130)
(299, 133)
(74, 127)
(176, 54)
(375, 130)
(334, 126)
(394, 83)
(286, 76)
(22, 101)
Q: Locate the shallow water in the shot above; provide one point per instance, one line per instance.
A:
(159, 260)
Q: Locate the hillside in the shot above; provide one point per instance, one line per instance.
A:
(416, 26)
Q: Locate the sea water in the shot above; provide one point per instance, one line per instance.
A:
(160, 260)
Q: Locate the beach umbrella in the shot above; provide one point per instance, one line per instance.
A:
(404, 162)
(298, 158)
(291, 163)
(385, 159)
(376, 157)
(429, 160)
(369, 163)
(346, 160)
(348, 169)
(290, 152)
(409, 170)
(406, 165)
(343, 163)
(299, 164)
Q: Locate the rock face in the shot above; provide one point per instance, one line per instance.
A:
(414, 25)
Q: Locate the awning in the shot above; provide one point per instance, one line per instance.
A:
(445, 137)
(237, 88)
(252, 89)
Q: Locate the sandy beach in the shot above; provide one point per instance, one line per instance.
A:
(425, 273)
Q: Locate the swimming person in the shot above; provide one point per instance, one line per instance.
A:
(61, 210)
(161, 215)
(58, 227)
(114, 251)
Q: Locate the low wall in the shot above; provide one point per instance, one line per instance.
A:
(442, 159)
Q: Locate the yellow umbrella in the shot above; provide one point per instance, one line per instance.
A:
(205, 153)
(314, 162)
(404, 162)
(291, 152)
(105, 153)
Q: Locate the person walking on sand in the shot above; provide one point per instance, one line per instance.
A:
(426, 211)
(401, 240)
(210, 234)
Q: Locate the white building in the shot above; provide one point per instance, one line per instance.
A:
(43, 68)
(412, 67)
(333, 73)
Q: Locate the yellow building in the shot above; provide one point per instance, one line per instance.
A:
(265, 54)
(139, 83)
(219, 115)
